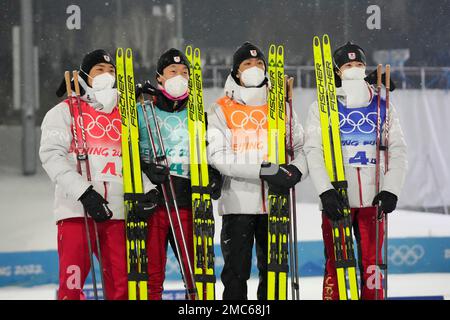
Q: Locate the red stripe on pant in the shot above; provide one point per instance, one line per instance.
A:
(158, 232)
(364, 229)
(74, 264)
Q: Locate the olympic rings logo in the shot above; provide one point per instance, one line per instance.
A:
(172, 127)
(99, 127)
(240, 119)
(405, 255)
(365, 123)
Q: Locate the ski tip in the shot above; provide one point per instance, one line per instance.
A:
(272, 49)
(316, 41)
(129, 53)
(326, 39)
(119, 52)
(280, 50)
(188, 51)
(197, 53)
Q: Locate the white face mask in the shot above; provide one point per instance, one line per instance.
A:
(107, 98)
(254, 96)
(354, 73)
(176, 86)
(252, 77)
(102, 96)
(103, 81)
(356, 91)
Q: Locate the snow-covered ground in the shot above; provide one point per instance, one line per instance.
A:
(410, 285)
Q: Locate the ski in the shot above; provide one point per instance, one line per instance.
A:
(329, 120)
(278, 221)
(136, 229)
(203, 218)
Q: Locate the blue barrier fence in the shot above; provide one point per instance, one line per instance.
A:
(406, 255)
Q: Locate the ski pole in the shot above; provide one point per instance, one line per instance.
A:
(292, 200)
(377, 180)
(386, 168)
(81, 156)
(88, 175)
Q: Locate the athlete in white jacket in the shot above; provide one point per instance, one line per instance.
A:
(357, 104)
(237, 146)
(102, 198)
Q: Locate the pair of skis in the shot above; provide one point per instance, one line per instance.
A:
(81, 152)
(136, 228)
(329, 121)
(282, 235)
(203, 219)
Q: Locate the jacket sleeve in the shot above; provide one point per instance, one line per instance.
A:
(220, 153)
(314, 151)
(398, 164)
(298, 138)
(54, 148)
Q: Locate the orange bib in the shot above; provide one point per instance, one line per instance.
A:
(248, 125)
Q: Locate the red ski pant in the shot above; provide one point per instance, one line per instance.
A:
(159, 234)
(363, 220)
(74, 262)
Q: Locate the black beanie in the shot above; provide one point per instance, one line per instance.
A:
(348, 53)
(246, 51)
(93, 58)
(171, 56)
(90, 60)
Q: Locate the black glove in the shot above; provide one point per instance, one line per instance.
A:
(372, 79)
(157, 173)
(146, 88)
(388, 201)
(215, 183)
(280, 177)
(95, 205)
(146, 203)
(333, 204)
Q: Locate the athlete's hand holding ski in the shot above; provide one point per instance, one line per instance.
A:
(280, 177)
(157, 173)
(333, 204)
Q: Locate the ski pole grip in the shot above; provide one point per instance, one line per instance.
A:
(379, 70)
(388, 77)
(75, 81)
(68, 87)
(290, 86)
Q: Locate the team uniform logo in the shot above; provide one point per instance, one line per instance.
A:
(253, 53)
(103, 138)
(358, 127)
(174, 133)
(107, 58)
(177, 59)
(352, 55)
